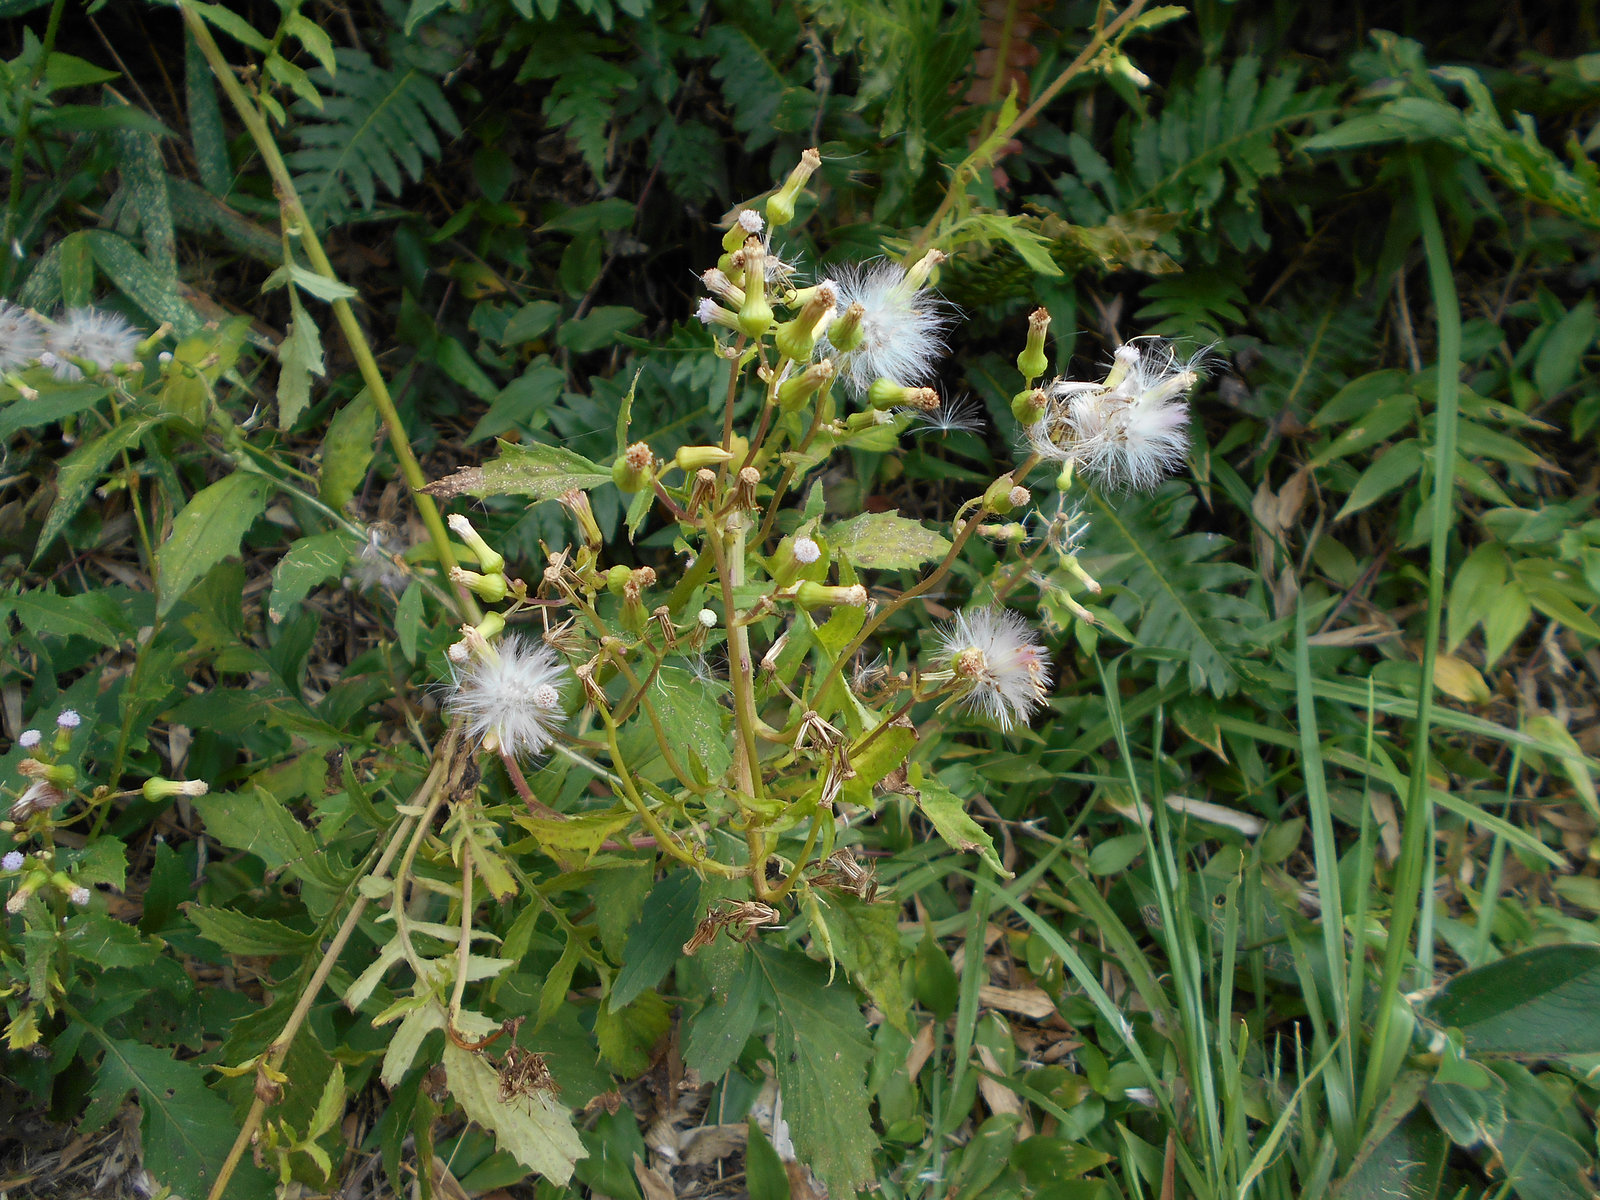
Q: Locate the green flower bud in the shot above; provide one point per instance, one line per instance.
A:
(488, 558)
(1028, 406)
(746, 225)
(887, 394)
(812, 596)
(794, 555)
(165, 789)
(846, 333)
(1032, 362)
(692, 458)
(491, 627)
(617, 579)
(797, 389)
(797, 338)
(491, 588)
(997, 498)
(632, 470)
(780, 205)
(755, 314)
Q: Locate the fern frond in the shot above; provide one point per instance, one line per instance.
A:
(1170, 588)
(377, 125)
(1205, 155)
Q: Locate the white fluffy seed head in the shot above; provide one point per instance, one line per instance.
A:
(750, 220)
(1001, 668)
(806, 551)
(21, 338)
(1129, 433)
(510, 697)
(903, 327)
(103, 338)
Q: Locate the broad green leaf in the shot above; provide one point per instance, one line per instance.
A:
(573, 841)
(209, 529)
(538, 472)
(948, 815)
(240, 934)
(1548, 730)
(187, 1129)
(719, 1031)
(256, 823)
(1563, 348)
(867, 940)
(104, 943)
(80, 472)
(656, 940)
(627, 1036)
(765, 1176)
(231, 24)
(50, 407)
(1393, 470)
(529, 322)
(299, 358)
(886, 541)
(692, 720)
(102, 861)
(599, 329)
(308, 562)
(1542, 1163)
(408, 620)
(142, 283)
(1537, 1004)
(533, 1129)
(821, 1050)
(91, 615)
(887, 752)
(347, 450)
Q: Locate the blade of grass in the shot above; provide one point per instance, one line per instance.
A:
(1407, 897)
(1341, 1083)
(1482, 942)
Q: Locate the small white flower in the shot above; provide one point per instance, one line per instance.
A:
(806, 551)
(1131, 430)
(509, 696)
(79, 896)
(12, 861)
(750, 220)
(29, 739)
(902, 327)
(709, 312)
(69, 719)
(707, 619)
(103, 338)
(1002, 671)
(21, 339)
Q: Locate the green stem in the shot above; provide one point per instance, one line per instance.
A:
(19, 141)
(1416, 821)
(295, 214)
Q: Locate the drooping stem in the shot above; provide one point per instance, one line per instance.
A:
(274, 1055)
(366, 362)
(984, 155)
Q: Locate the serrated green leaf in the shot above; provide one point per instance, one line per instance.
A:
(347, 450)
(80, 471)
(719, 1031)
(88, 614)
(656, 940)
(886, 541)
(187, 1129)
(309, 561)
(240, 934)
(692, 719)
(533, 1129)
(948, 815)
(257, 823)
(209, 529)
(299, 359)
(627, 1036)
(821, 1051)
(866, 938)
(538, 472)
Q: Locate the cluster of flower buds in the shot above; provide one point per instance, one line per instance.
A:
(78, 342)
(39, 875)
(48, 780)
